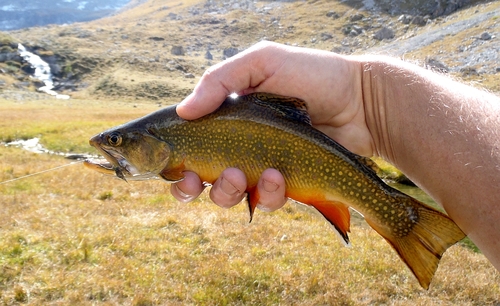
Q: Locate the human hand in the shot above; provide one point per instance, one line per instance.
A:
(330, 84)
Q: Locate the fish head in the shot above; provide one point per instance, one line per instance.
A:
(129, 154)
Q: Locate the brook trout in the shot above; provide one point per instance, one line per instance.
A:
(260, 131)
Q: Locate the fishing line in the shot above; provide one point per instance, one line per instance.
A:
(41, 172)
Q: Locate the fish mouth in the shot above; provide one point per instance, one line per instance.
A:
(113, 164)
(100, 165)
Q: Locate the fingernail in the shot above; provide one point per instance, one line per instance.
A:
(270, 186)
(228, 188)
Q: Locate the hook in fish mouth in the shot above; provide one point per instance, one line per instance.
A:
(114, 163)
(105, 167)
(123, 170)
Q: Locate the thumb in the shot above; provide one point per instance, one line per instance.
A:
(238, 74)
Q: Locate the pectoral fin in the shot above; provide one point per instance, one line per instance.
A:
(173, 175)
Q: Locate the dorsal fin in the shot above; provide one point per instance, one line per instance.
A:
(370, 163)
(293, 109)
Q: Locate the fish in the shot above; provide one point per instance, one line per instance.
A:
(260, 130)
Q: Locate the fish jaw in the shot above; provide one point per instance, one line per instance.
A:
(100, 165)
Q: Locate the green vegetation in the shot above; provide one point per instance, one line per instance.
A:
(6, 39)
(74, 236)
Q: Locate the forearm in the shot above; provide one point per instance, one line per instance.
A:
(445, 136)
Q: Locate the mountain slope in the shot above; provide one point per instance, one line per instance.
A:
(158, 49)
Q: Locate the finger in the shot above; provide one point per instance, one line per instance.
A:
(237, 74)
(188, 189)
(229, 189)
(271, 188)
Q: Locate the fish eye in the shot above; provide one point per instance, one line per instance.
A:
(114, 139)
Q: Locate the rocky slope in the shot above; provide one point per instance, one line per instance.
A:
(158, 49)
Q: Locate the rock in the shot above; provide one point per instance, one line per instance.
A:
(208, 55)
(446, 7)
(405, 19)
(332, 14)
(384, 33)
(28, 69)
(177, 50)
(468, 71)
(189, 76)
(10, 56)
(8, 52)
(346, 29)
(326, 36)
(84, 34)
(230, 52)
(173, 16)
(356, 17)
(436, 65)
(22, 85)
(353, 33)
(498, 69)
(180, 67)
(485, 36)
(156, 38)
(419, 20)
(357, 29)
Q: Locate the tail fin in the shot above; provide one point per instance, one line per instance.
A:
(422, 248)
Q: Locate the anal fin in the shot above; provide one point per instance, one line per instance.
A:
(337, 213)
(253, 198)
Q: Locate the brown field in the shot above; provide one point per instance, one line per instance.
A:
(76, 237)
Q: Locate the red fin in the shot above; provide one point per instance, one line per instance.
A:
(421, 249)
(253, 198)
(173, 174)
(337, 214)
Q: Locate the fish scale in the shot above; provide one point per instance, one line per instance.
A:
(260, 131)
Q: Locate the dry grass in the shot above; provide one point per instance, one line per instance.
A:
(73, 236)
(64, 125)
